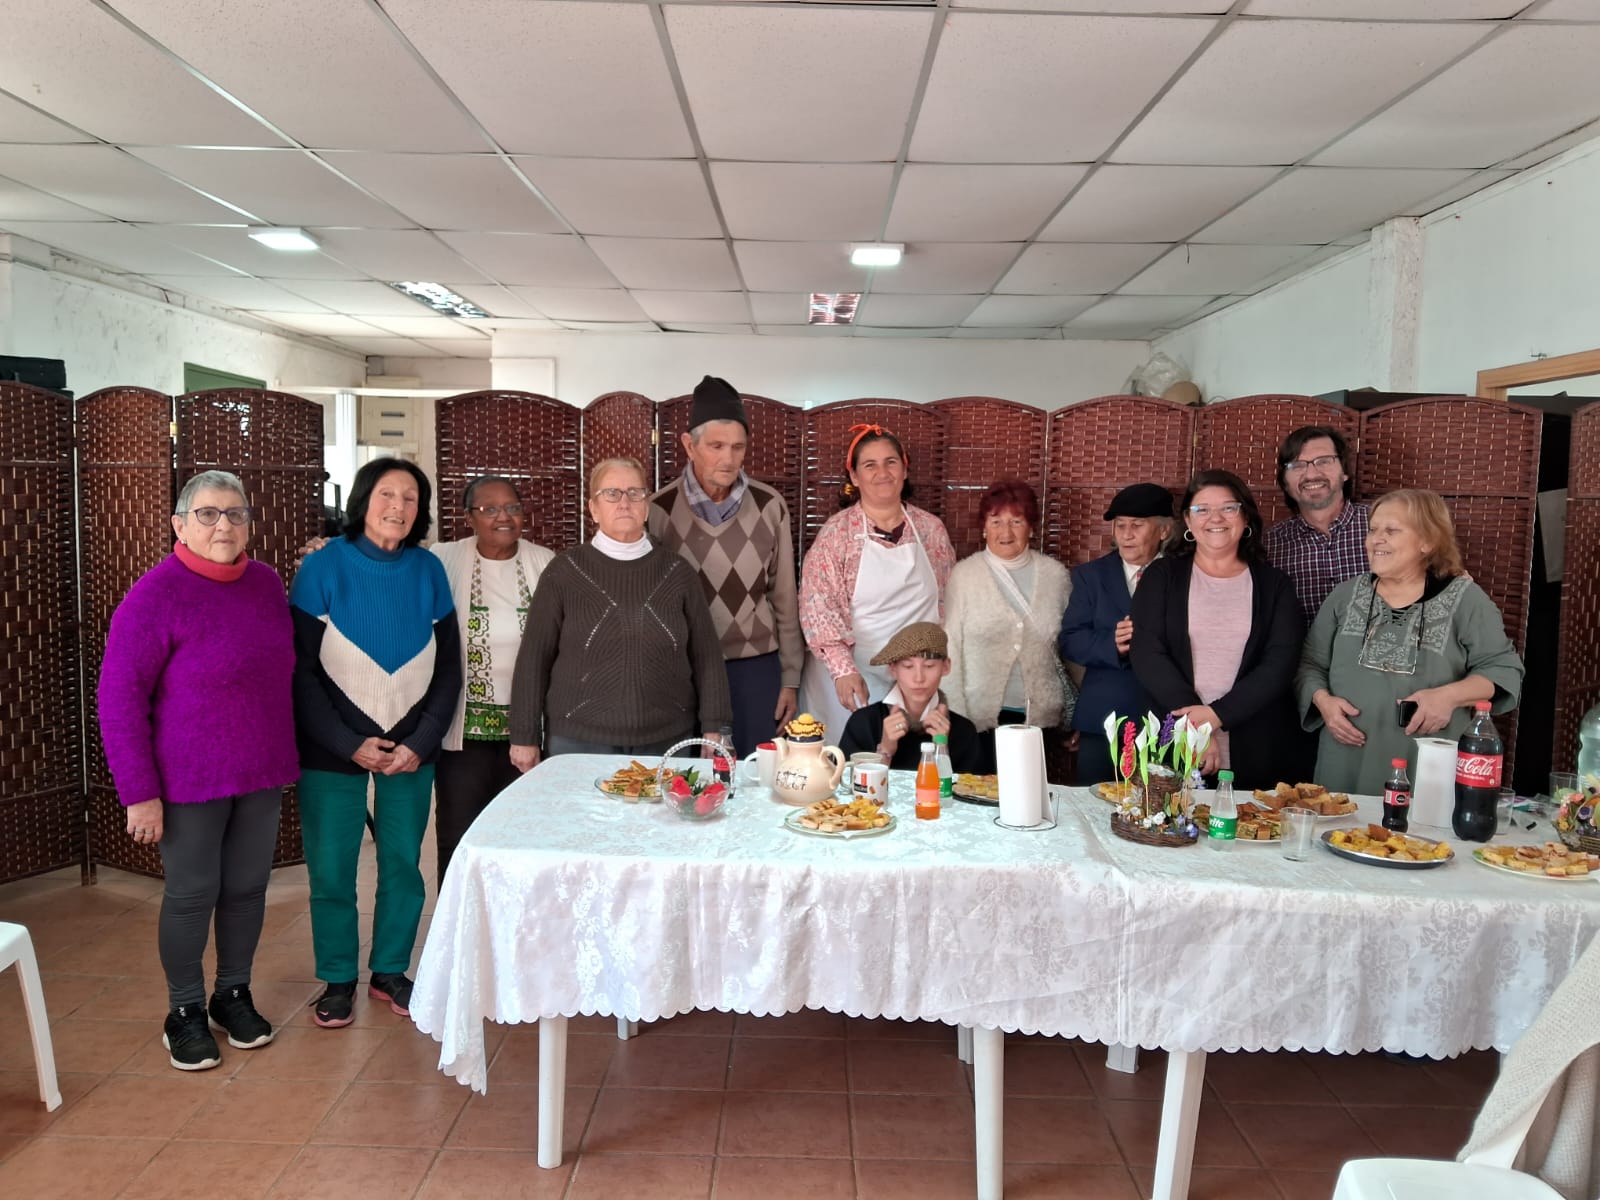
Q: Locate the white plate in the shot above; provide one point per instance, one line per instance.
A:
(792, 821)
(1539, 874)
(601, 780)
(1372, 860)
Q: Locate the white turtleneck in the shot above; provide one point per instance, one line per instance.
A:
(611, 548)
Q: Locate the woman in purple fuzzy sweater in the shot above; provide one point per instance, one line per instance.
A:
(197, 717)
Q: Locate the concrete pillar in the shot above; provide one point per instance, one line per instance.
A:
(1394, 305)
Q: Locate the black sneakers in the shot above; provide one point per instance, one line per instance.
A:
(395, 988)
(187, 1037)
(335, 1005)
(233, 1012)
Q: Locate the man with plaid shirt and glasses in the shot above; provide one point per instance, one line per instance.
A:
(1325, 542)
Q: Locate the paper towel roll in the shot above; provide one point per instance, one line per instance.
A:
(1019, 760)
(1433, 793)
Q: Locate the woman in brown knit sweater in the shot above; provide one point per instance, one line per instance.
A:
(620, 654)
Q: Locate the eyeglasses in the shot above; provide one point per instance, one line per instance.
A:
(1325, 462)
(1205, 510)
(494, 510)
(615, 495)
(238, 515)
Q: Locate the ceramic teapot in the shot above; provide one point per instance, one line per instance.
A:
(807, 771)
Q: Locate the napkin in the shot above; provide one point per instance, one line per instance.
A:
(1019, 757)
(1433, 795)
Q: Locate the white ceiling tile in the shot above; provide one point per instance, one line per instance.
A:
(451, 191)
(437, 328)
(107, 180)
(1312, 205)
(519, 324)
(940, 203)
(460, 348)
(1393, 10)
(903, 331)
(820, 331)
(1121, 203)
(798, 267)
(627, 198)
(280, 187)
(391, 346)
(706, 327)
(611, 326)
(18, 202)
(1126, 7)
(1475, 182)
(714, 307)
(353, 298)
(1198, 270)
(1290, 270)
(1569, 10)
(582, 304)
(498, 301)
(1077, 269)
(232, 245)
(786, 85)
(394, 254)
(1017, 333)
(1554, 146)
(913, 311)
(831, 201)
(239, 291)
(667, 263)
(78, 63)
(536, 259)
(780, 308)
(1068, 88)
(553, 78)
(20, 123)
(322, 324)
(1274, 91)
(120, 247)
(1134, 316)
(1028, 310)
(1485, 108)
(947, 267)
(296, 63)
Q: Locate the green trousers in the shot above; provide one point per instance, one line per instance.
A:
(333, 817)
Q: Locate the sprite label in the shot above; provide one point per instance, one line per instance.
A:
(1223, 829)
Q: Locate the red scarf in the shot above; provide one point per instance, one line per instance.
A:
(221, 572)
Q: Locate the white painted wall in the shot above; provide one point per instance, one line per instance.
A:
(820, 369)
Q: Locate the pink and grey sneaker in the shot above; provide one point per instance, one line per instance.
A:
(336, 1005)
(393, 987)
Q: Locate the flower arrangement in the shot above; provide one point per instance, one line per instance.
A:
(1171, 749)
(1578, 812)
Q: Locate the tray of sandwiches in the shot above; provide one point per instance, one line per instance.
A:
(1553, 860)
(1258, 824)
(632, 782)
(1327, 805)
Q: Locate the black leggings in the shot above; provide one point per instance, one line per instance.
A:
(218, 857)
(464, 781)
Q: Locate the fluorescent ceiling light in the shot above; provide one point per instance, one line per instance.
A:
(283, 239)
(877, 254)
(833, 308)
(439, 298)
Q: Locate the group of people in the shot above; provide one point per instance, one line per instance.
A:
(432, 677)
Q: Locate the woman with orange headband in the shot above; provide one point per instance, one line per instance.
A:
(876, 566)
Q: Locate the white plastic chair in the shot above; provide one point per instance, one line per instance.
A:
(17, 947)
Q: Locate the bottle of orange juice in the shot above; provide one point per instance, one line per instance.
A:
(928, 785)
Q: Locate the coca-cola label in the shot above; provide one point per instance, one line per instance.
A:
(1479, 770)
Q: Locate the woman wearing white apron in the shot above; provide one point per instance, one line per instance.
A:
(876, 566)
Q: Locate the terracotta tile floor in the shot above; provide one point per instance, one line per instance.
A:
(705, 1107)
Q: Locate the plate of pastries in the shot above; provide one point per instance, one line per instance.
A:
(977, 789)
(1553, 860)
(1114, 792)
(632, 782)
(841, 819)
(1382, 847)
(1258, 824)
(1314, 796)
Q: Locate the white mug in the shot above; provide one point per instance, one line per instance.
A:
(764, 758)
(870, 781)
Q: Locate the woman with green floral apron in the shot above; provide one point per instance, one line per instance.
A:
(492, 577)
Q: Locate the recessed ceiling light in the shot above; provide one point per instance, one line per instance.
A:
(440, 299)
(877, 254)
(833, 308)
(283, 239)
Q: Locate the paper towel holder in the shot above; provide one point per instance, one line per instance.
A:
(1047, 822)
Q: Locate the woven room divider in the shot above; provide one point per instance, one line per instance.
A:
(617, 424)
(1482, 456)
(1099, 447)
(528, 438)
(921, 428)
(1578, 669)
(1243, 436)
(125, 495)
(987, 439)
(41, 721)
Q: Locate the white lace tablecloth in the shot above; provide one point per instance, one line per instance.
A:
(561, 901)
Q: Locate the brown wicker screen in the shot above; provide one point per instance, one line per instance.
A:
(987, 439)
(1482, 456)
(618, 424)
(273, 442)
(776, 456)
(1578, 672)
(920, 428)
(1096, 449)
(125, 499)
(528, 438)
(41, 723)
(1243, 436)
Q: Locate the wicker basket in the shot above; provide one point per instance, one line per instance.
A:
(1164, 835)
(1588, 843)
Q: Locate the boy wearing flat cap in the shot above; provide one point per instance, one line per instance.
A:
(918, 657)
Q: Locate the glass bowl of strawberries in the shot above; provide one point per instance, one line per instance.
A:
(697, 792)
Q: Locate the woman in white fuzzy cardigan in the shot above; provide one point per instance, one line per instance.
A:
(1003, 610)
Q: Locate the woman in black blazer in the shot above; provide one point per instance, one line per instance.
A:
(1217, 633)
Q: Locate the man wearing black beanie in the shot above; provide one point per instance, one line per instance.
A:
(735, 532)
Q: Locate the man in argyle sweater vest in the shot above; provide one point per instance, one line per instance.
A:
(735, 532)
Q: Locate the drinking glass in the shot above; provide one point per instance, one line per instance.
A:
(1299, 831)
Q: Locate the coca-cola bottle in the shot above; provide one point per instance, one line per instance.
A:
(1397, 797)
(1480, 754)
